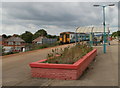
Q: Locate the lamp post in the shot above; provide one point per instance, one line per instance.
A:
(91, 37)
(104, 35)
(76, 36)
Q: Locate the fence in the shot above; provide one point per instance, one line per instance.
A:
(48, 41)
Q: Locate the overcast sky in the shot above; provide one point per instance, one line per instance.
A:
(54, 17)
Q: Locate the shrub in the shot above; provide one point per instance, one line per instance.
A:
(9, 53)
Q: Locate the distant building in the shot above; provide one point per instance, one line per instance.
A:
(44, 40)
(14, 44)
(2, 41)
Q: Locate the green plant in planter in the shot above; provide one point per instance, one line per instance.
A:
(68, 55)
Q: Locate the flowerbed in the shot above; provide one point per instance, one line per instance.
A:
(68, 55)
(69, 71)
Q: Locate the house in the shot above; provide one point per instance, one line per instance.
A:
(44, 40)
(14, 44)
(0, 40)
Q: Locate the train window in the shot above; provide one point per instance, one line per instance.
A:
(61, 35)
(67, 35)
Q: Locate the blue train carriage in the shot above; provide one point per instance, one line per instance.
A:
(71, 37)
(84, 37)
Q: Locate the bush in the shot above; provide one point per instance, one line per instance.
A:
(9, 53)
(68, 55)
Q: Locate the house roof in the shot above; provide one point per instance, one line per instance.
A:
(38, 39)
(16, 39)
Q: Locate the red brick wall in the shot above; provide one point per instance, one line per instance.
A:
(64, 74)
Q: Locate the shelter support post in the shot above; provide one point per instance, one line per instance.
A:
(91, 39)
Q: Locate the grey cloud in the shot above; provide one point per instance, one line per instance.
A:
(63, 15)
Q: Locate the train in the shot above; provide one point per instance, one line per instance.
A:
(71, 37)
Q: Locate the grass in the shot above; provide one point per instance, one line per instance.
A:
(68, 55)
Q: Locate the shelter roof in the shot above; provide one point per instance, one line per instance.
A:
(91, 29)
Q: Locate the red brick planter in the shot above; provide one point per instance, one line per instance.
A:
(62, 71)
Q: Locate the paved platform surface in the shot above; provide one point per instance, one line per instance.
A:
(102, 72)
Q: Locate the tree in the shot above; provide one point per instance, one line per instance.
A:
(118, 33)
(49, 36)
(27, 37)
(40, 32)
(4, 36)
(9, 36)
(114, 34)
(52, 36)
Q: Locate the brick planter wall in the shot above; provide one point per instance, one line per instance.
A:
(62, 71)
